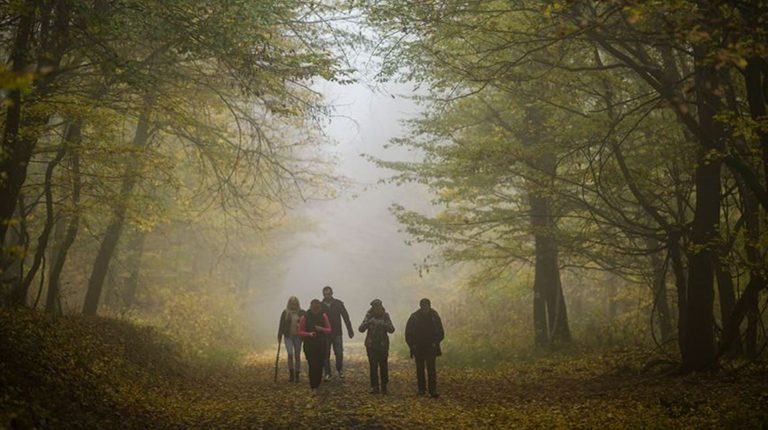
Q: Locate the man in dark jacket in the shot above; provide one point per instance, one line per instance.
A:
(335, 310)
(423, 334)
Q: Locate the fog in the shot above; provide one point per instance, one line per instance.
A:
(354, 243)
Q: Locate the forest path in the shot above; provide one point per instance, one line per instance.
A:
(77, 372)
(579, 393)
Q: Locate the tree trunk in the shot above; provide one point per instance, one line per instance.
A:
(755, 82)
(59, 234)
(550, 317)
(74, 136)
(13, 260)
(114, 230)
(698, 348)
(42, 241)
(727, 296)
(135, 251)
(556, 310)
(681, 288)
(660, 300)
(543, 274)
(54, 282)
(747, 304)
(16, 150)
(610, 305)
(549, 311)
(753, 320)
(19, 135)
(699, 351)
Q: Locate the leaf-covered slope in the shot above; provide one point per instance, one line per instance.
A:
(78, 371)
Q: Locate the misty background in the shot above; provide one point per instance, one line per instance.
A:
(353, 242)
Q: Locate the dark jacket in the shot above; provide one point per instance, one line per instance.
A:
(283, 327)
(424, 332)
(314, 344)
(336, 311)
(377, 328)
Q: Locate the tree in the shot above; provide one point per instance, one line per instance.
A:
(619, 69)
(224, 79)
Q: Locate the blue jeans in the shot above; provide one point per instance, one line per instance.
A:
(293, 348)
(335, 341)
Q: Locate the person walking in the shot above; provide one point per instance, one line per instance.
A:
(423, 334)
(313, 328)
(336, 311)
(378, 324)
(288, 329)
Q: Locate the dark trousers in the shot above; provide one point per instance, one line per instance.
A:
(335, 342)
(378, 362)
(428, 361)
(314, 351)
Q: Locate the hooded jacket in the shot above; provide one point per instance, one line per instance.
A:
(378, 328)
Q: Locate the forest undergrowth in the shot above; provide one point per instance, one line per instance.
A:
(78, 372)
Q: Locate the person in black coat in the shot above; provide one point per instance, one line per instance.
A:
(423, 334)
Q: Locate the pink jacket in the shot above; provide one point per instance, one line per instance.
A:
(303, 329)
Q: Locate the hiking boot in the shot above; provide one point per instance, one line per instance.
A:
(384, 389)
(434, 395)
(422, 393)
(341, 374)
(327, 377)
(293, 376)
(296, 376)
(374, 390)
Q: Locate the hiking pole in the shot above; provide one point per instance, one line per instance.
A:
(277, 359)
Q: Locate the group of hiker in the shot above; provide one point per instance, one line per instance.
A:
(319, 330)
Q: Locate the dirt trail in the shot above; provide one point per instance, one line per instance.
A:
(344, 402)
(577, 393)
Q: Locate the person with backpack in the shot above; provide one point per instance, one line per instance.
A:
(378, 324)
(288, 329)
(336, 311)
(423, 334)
(314, 327)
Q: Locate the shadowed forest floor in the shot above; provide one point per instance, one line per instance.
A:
(117, 375)
(585, 392)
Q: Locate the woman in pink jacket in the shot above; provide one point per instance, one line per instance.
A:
(313, 328)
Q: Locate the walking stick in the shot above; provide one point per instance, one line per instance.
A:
(277, 359)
